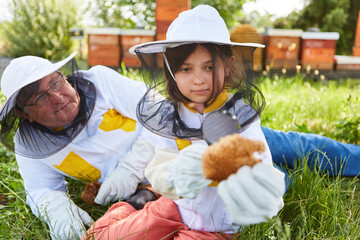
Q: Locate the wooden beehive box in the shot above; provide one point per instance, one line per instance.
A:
(131, 37)
(104, 47)
(165, 12)
(110, 46)
(356, 48)
(282, 48)
(246, 33)
(347, 63)
(318, 50)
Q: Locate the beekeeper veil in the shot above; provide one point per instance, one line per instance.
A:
(161, 60)
(31, 139)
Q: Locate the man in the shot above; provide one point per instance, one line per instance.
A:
(79, 127)
(85, 127)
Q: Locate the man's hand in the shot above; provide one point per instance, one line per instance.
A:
(64, 218)
(111, 189)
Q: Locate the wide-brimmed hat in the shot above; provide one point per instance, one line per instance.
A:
(23, 71)
(202, 24)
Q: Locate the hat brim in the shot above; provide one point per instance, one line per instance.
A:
(160, 46)
(10, 101)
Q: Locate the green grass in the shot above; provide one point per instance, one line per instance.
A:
(316, 207)
(322, 107)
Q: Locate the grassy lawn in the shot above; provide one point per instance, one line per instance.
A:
(316, 207)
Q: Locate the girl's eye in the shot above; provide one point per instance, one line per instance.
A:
(209, 68)
(186, 69)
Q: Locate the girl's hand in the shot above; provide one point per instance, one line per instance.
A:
(253, 194)
(185, 172)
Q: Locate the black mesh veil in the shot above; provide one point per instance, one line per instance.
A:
(37, 141)
(158, 110)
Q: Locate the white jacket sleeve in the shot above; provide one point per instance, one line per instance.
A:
(39, 179)
(157, 173)
(123, 181)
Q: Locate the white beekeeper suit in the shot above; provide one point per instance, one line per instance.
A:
(205, 210)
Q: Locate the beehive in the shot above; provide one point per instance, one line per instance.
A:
(247, 33)
(282, 48)
(104, 47)
(131, 37)
(318, 49)
(165, 12)
(110, 46)
(356, 48)
(347, 63)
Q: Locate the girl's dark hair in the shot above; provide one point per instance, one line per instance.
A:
(176, 57)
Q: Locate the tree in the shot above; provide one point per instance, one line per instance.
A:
(40, 28)
(229, 10)
(257, 20)
(289, 21)
(124, 14)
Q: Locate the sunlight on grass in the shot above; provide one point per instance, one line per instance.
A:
(317, 107)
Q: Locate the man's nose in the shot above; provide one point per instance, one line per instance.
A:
(55, 97)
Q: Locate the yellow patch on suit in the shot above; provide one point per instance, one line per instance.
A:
(77, 167)
(214, 184)
(182, 143)
(113, 120)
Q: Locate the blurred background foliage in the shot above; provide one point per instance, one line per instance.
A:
(40, 27)
(126, 14)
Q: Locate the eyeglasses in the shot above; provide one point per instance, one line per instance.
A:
(44, 96)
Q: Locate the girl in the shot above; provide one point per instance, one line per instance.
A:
(201, 76)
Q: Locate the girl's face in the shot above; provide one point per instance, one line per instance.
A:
(195, 77)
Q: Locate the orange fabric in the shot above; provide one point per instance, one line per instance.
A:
(159, 219)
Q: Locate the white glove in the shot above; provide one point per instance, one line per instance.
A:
(156, 172)
(123, 181)
(64, 218)
(185, 172)
(253, 195)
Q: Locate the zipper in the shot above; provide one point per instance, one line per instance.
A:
(201, 118)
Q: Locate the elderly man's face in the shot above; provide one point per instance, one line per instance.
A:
(62, 103)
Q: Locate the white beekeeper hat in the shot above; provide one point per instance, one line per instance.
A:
(202, 24)
(21, 72)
